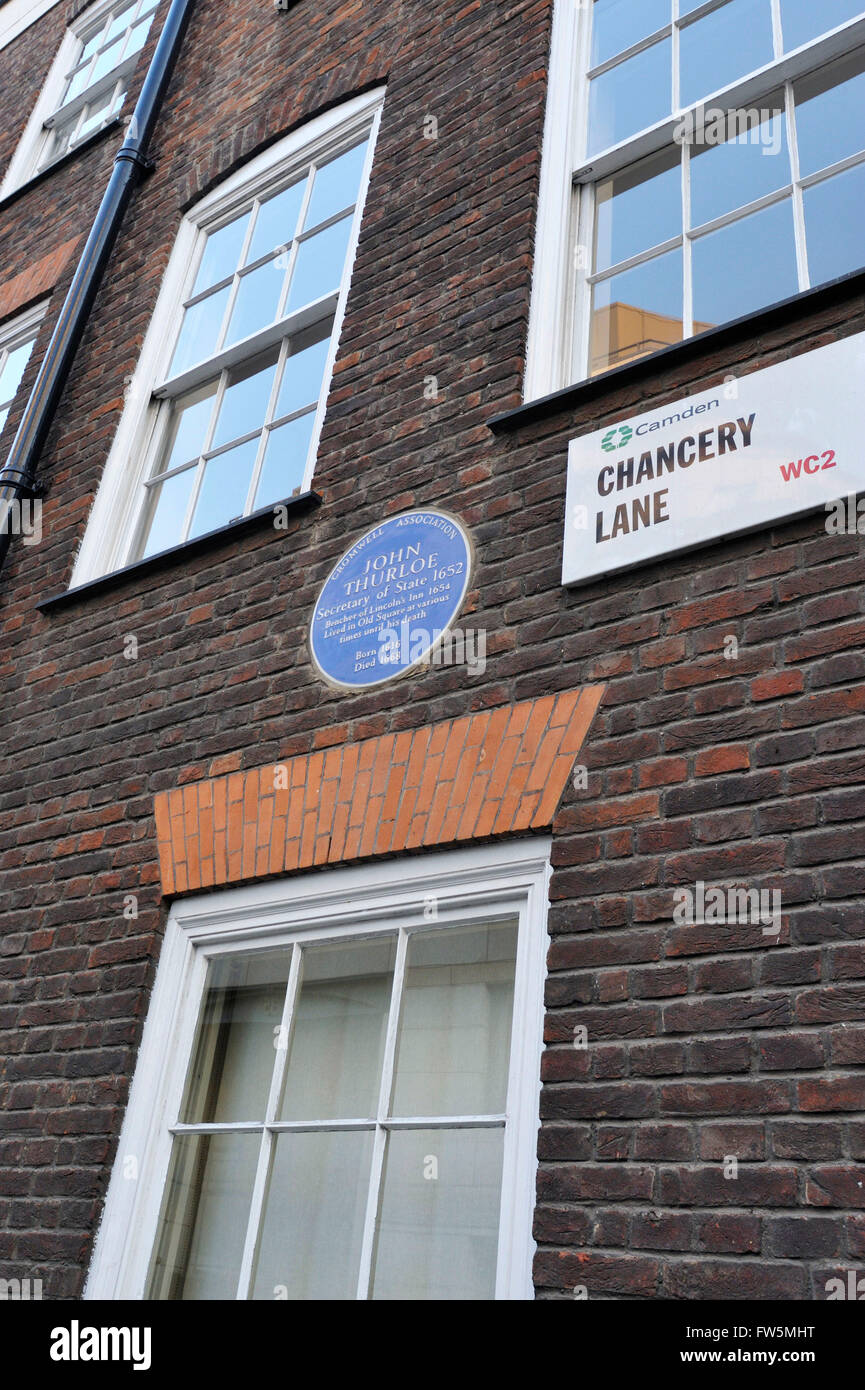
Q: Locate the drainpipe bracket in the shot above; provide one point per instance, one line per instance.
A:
(23, 486)
(133, 156)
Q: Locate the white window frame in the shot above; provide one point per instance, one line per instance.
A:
(481, 884)
(112, 528)
(27, 157)
(557, 350)
(18, 330)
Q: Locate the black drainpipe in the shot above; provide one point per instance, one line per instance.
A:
(18, 476)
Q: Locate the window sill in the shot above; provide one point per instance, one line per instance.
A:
(35, 180)
(785, 310)
(165, 559)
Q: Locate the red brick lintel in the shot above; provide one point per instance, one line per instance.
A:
(497, 772)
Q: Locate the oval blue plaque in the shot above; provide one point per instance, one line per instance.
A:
(390, 600)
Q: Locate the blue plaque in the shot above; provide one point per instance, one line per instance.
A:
(391, 599)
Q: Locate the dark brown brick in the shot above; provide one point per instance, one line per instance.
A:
(663, 1142)
(744, 1141)
(729, 1233)
(811, 1139)
(600, 1274)
(661, 1231)
(836, 1185)
(803, 1237)
(734, 1280)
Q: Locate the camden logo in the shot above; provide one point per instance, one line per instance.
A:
(617, 438)
(621, 435)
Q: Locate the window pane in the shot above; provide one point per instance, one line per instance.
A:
(455, 1025)
(313, 1216)
(334, 1069)
(752, 163)
(723, 46)
(803, 20)
(119, 23)
(244, 404)
(57, 145)
(170, 500)
(236, 1041)
(276, 223)
(91, 120)
(3, 415)
(95, 114)
(92, 43)
(13, 370)
(336, 186)
(108, 59)
(221, 254)
(98, 113)
(78, 84)
(437, 1232)
(834, 218)
(637, 312)
(284, 460)
(638, 209)
(302, 377)
(135, 42)
(616, 24)
(257, 301)
(744, 266)
(223, 492)
(630, 97)
(199, 333)
(319, 264)
(203, 1224)
(830, 114)
(190, 416)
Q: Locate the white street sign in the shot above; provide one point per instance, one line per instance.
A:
(755, 450)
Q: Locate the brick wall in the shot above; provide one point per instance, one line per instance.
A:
(713, 1041)
(700, 1046)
